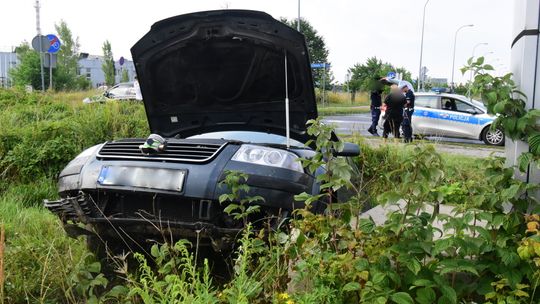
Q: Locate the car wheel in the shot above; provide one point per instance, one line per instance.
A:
(493, 137)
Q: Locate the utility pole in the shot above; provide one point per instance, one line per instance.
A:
(38, 29)
(298, 23)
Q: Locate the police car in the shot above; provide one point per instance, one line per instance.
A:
(451, 115)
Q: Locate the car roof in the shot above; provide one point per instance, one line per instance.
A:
(455, 96)
(441, 94)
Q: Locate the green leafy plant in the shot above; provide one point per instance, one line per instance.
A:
(240, 206)
(504, 99)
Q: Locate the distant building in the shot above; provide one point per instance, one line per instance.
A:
(8, 60)
(89, 66)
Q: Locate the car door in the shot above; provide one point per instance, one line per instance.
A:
(424, 117)
(456, 118)
(119, 92)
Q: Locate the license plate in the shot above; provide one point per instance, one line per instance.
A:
(150, 178)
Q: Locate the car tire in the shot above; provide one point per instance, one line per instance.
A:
(493, 137)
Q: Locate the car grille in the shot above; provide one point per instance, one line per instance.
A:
(174, 151)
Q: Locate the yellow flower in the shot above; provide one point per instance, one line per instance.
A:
(290, 302)
(283, 296)
(532, 227)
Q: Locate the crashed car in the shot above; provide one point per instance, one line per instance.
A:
(223, 91)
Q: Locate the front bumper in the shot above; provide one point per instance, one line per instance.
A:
(83, 210)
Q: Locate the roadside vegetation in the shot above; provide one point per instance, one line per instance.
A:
(483, 253)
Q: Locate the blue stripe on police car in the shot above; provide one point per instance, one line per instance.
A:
(463, 118)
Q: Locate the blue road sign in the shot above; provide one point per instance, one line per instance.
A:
(122, 60)
(391, 75)
(320, 65)
(54, 43)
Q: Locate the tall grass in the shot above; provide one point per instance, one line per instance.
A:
(39, 258)
(335, 99)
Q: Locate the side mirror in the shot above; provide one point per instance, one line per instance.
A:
(472, 111)
(106, 93)
(349, 149)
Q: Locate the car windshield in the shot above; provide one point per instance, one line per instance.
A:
(478, 104)
(250, 137)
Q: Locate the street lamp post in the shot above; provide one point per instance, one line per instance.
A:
(419, 84)
(454, 57)
(486, 53)
(471, 74)
(477, 45)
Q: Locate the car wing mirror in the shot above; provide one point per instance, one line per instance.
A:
(349, 149)
(472, 111)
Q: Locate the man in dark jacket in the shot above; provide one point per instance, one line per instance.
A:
(395, 102)
(375, 107)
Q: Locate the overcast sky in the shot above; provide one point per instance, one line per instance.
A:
(354, 30)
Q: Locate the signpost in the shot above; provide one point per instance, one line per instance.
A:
(322, 65)
(391, 75)
(40, 43)
(121, 62)
(52, 49)
(54, 44)
(51, 44)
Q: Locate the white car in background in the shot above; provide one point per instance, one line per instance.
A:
(451, 115)
(122, 91)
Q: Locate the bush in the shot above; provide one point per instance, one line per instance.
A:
(42, 134)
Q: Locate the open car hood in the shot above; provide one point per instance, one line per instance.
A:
(224, 70)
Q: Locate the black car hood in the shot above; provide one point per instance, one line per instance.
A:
(224, 70)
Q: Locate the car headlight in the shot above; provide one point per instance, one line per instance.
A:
(89, 152)
(268, 157)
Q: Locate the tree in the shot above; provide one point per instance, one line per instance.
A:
(108, 63)
(125, 76)
(28, 72)
(364, 76)
(65, 75)
(318, 52)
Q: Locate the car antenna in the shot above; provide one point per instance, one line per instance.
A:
(287, 128)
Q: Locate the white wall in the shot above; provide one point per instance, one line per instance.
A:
(526, 69)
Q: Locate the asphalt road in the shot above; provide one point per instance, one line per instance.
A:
(359, 123)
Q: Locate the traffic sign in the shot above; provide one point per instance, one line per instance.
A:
(122, 60)
(54, 44)
(391, 75)
(320, 65)
(49, 61)
(40, 39)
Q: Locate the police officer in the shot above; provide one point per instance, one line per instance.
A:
(408, 110)
(376, 103)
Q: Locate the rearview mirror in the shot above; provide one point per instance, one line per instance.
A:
(349, 149)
